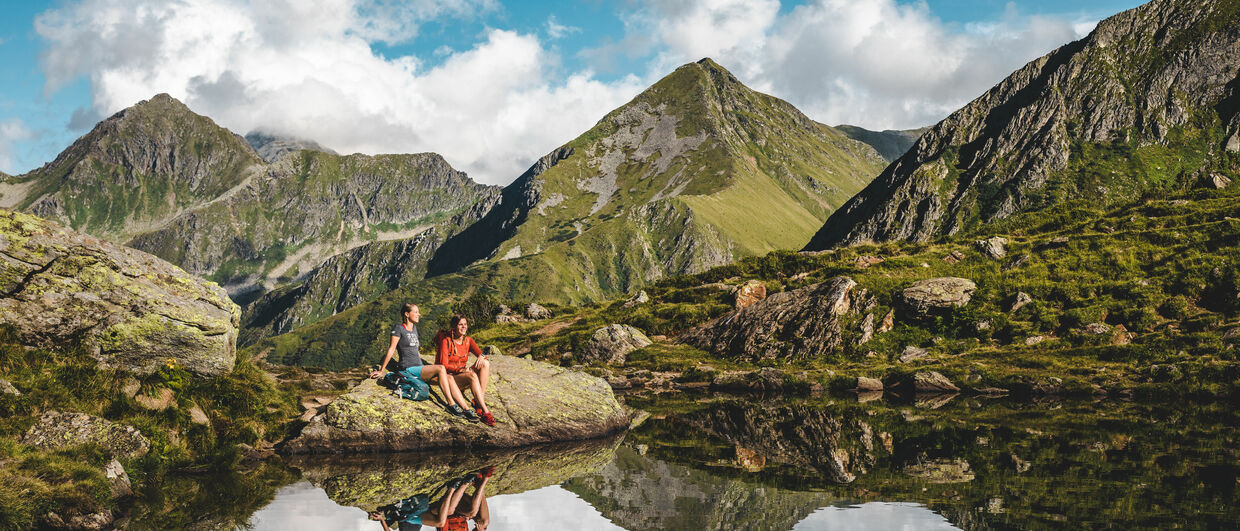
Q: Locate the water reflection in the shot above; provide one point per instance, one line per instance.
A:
(718, 462)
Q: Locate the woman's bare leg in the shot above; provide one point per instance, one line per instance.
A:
(451, 392)
(470, 378)
(483, 368)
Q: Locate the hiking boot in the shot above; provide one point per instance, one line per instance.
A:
(487, 418)
(456, 411)
(469, 415)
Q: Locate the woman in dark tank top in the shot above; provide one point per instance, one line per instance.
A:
(405, 339)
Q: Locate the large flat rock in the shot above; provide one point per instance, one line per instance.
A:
(126, 308)
(533, 403)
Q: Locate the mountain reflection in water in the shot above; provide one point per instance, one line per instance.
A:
(728, 463)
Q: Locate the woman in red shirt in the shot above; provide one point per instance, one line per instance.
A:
(454, 350)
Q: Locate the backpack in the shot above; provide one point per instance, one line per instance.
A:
(405, 386)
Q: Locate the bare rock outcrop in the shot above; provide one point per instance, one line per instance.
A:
(935, 295)
(613, 343)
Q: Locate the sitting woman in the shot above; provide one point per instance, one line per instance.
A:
(405, 340)
(454, 350)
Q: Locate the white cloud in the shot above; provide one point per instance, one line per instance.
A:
(309, 71)
(555, 30)
(879, 63)
(11, 131)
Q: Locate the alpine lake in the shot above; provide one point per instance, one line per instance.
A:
(752, 462)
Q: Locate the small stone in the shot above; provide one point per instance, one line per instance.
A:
(197, 415)
(131, 387)
(912, 353)
(1097, 329)
(867, 329)
(994, 248)
(981, 325)
(1033, 340)
(641, 297)
(1216, 181)
(164, 399)
(865, 261)
(992, 391)
(749, 293)
(869, 384)
(1019, 464)
(889, 321)
(1016, 262)
(1021, 300)
(933, 382)
(491, 350)
(1121, 336)
(7, 388)
(119, 480)
(537, 311)
(941, 471)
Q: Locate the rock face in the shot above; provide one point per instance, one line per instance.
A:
(54, 430)
(271, 147)
(1030, 141)
(995, 247)
(933, 295)
(533, 402)
(126, 308)
(787, 325)
(613, 343)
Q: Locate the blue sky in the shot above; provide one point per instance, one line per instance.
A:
(492, 85)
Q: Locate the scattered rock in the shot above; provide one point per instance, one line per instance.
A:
(749, 460)
(868, 396)
(640, 297)
(992, 391)
(619, 382)
(995, 247)
(869, 384)
(1097, 329)
(889, 321)
(867, 329)
(865, 261)
(1020, 301)
(533, 402)
(128, 309)
(54, 430)
(981, 325)
(490, 350)
(613, 343)
(1216, 181)
(941, 471)
(131, 386)
(749, 293)
(790, 324)
(933, 382)
(1053, 243)
(119, 480)
(1033, 340)
(537, 311)
(954, 257)
(163, 399)
(1016, 263)
(1019, 464)
(84, 522)
(932, 295)
(198, 416)
(912, 353)
(8, 388)
(1121, 336)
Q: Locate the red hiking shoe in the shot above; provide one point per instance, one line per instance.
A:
(486, 417)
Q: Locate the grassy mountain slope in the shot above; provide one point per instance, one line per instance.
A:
(695, 172)
(1162, 268)
(136, 170)
(889, 143)
(1146, 104)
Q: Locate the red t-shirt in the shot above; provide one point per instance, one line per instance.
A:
(453, 356)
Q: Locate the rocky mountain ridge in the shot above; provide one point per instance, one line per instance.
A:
(1147, 102)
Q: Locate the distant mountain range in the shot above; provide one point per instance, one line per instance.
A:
(1148, 102)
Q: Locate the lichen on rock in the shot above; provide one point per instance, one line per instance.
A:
(54, 430)
(125, 308)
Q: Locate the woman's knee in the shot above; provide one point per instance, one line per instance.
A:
(482, 363)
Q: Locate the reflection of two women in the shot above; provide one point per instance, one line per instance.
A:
(452, 511)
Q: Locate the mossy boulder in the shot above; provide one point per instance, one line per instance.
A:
(533, 402)
(54, 430)
(375, 480)
(125, 308)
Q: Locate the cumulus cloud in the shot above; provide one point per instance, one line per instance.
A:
(879, 63)
(309, 71)
(11, 131)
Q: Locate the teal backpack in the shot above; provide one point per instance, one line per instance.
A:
(412, 388)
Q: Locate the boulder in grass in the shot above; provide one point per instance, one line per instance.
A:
(936, 295)
(54, 430)
(613, 343)
(933, 382)
(533, 402)
(749, 293)
(537, 311)
(127, 309)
